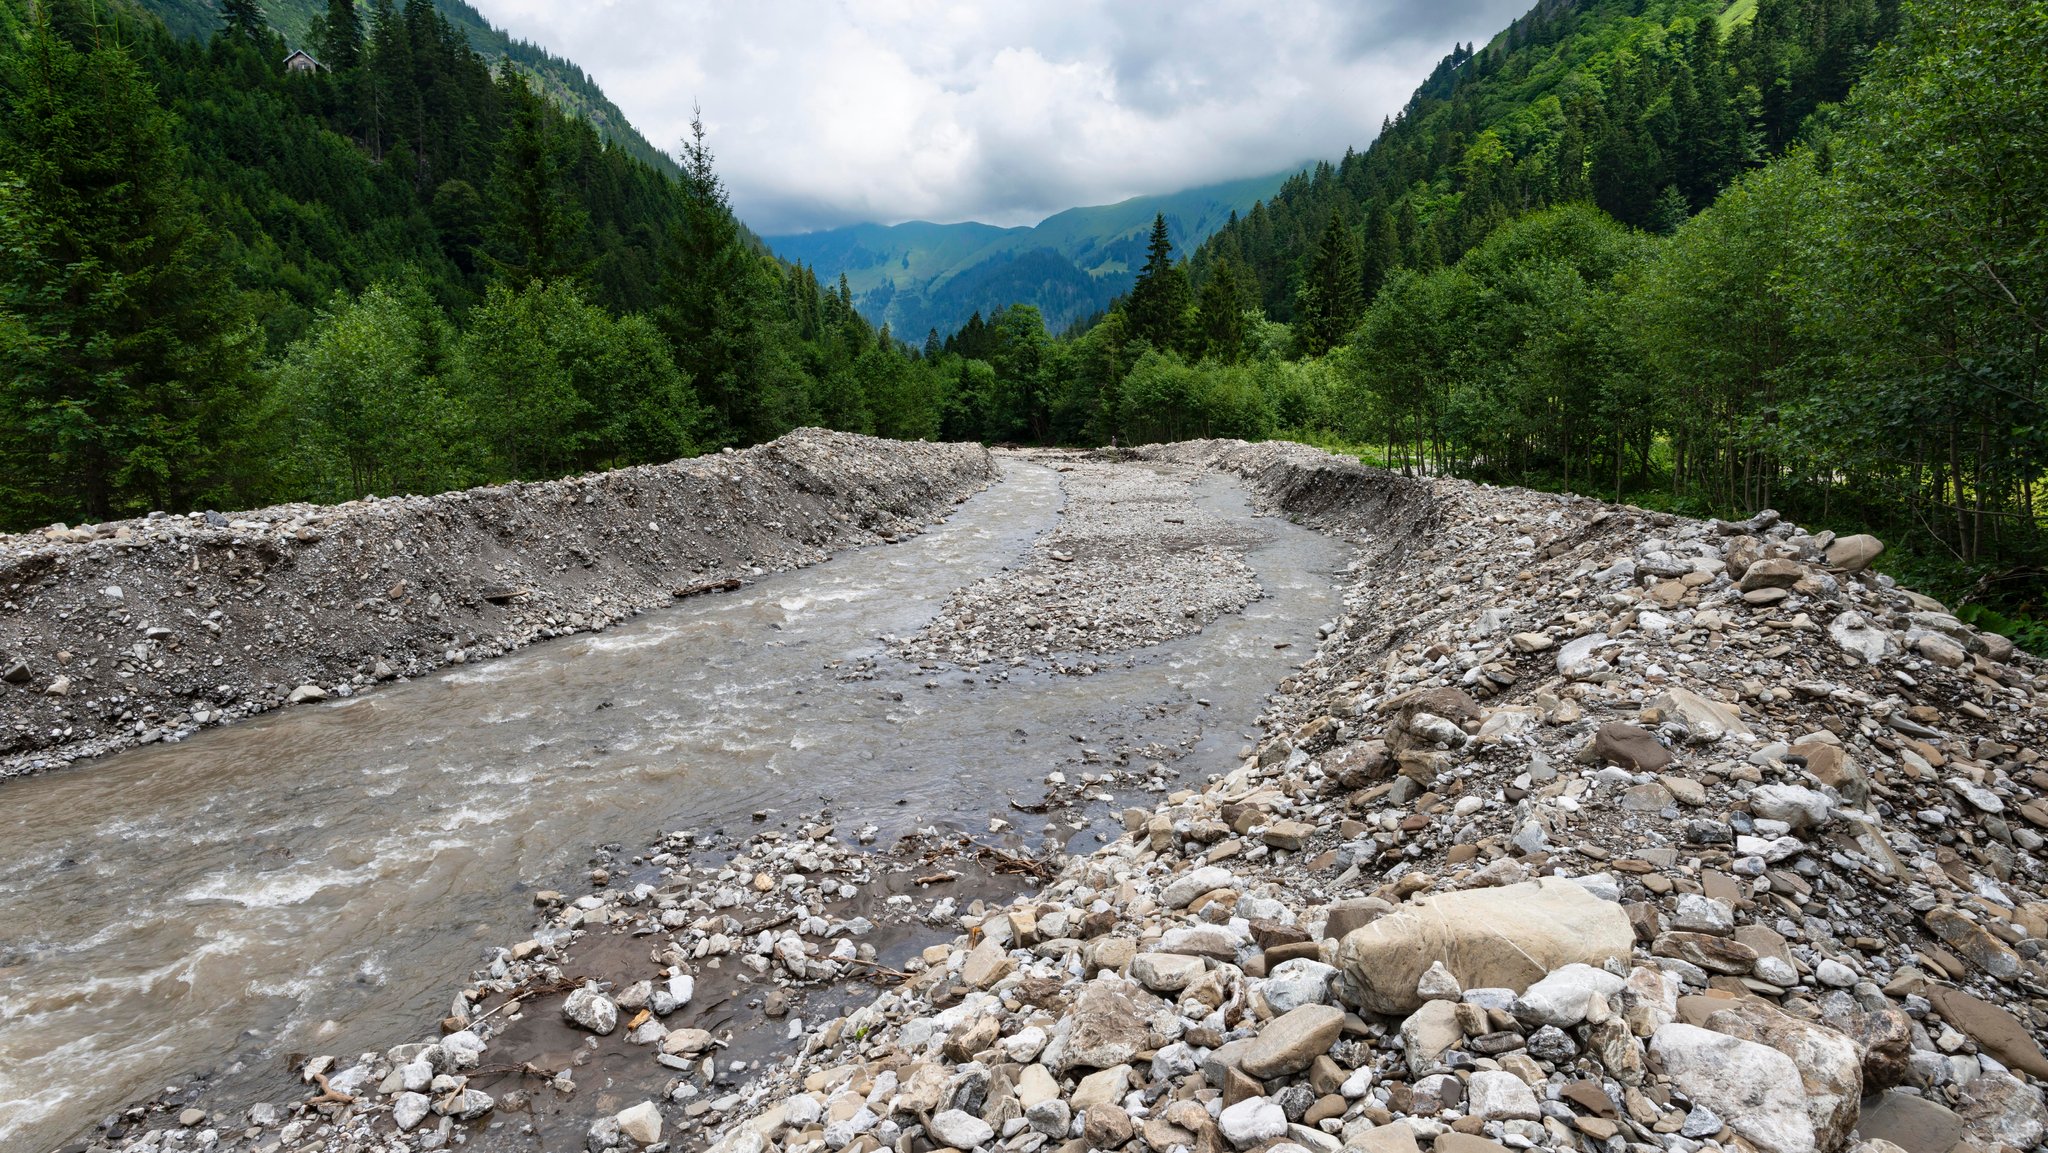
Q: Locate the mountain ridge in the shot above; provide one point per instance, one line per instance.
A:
(918, 274)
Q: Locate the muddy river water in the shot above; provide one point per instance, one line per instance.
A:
(322, 879)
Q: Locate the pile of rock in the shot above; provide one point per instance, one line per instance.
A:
(151, 629)
(1590, 829)
(1135, 560)
(1587, 829)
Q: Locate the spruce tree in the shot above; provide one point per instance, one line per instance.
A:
(1159, 300)
(124, 358)
(1382, 253)
(244, 18)
(710, 303)
(1220, 318)
(538, 226)
(342, 45)
(1332, 295)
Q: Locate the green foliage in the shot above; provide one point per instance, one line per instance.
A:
(450, 281)
(124, 354)
(1646, 107)
(361, 402)
(1928, 278)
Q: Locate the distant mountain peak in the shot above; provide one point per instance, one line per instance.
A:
(918, 275)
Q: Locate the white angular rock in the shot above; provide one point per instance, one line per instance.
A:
(1296, 983)
(589, 1008)
(1566, 996)
(1854, 633)
(1166, 972)
(1580, 658)
(1797, 806)
(1427, 1033)
(1194, 883)
(961, 1130)
(1251, 1121)
(640, 1123)
(1698, 913)
(409, 1109)
(1755, 1087)
(1497, 1095)
(1707, 720)
(1438, 984)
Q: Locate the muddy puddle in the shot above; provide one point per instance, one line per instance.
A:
(324, 878)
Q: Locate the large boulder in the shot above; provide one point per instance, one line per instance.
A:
(1509, 937)
(1830, 1063)
(1854, 553)
(1754, 1087)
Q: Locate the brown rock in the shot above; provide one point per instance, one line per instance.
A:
(1389, 1139)
(1714, 954)
(1771, 573)
(987, 964)
(1107, 1127)
(1598, 1128)
(1854, 554)
(1834, 768)
(1634, 749)
(1886, 1038)
(1587, 1094)
(1289, 835)
(1327, 1106)
(1998, 1031)
(1973, 941)
(966, 1042)
(1466, 1143)
(1911, 1122)
(1292, 1041)
(1344, 916)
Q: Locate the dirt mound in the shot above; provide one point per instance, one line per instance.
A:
(143, 630)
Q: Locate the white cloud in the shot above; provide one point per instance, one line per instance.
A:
(830, 113)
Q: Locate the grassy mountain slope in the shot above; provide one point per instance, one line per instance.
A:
(920, 275)
(560, 80)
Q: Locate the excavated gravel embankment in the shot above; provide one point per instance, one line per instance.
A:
(1586, 829)
(136, 631)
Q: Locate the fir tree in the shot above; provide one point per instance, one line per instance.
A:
(244, 18)
(1159, 301)
(1332, 293)
(1220, 317)
(124, 358)
(341, 44)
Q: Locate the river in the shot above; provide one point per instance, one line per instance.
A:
(321, 879)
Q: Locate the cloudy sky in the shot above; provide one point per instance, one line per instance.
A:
(826, 113)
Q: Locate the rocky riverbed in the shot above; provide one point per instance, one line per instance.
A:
(1584, 829)
(131, 632)
(1134, 561)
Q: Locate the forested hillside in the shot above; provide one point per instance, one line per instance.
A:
(1646, 108)
(222, 284)
(306, 24)
(1792, 253)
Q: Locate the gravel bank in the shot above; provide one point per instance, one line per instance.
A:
(136, 631)
(1135, 561)
(1587, 829)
